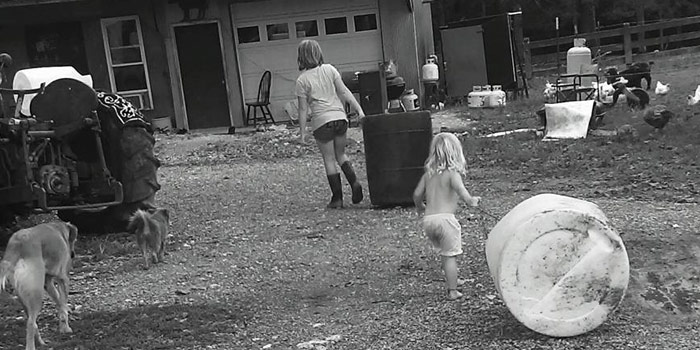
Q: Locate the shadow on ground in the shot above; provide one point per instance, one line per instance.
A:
(148, 327)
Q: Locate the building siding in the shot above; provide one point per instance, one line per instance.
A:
(406, 38)
(13, 21)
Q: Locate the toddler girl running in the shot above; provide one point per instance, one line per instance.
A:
(441, 187)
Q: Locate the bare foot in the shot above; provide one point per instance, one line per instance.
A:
(453, 294)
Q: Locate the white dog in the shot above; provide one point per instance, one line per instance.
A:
(37, 259)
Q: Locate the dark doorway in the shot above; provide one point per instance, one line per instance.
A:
(203, 78)
(57, 44)
(499, 51)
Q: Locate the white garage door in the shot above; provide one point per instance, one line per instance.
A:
(267, 34)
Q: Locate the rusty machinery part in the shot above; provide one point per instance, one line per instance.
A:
(55, 180)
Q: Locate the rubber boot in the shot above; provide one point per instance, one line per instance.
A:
(337, 189)
(352, 179)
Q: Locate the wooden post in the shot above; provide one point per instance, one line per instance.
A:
(527, 58)
(627, 42)
(556, 25)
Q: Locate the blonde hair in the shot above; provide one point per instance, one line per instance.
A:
(445, 154)
(309, 54)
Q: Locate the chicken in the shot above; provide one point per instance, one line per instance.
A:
(550, 92)
(694, 99)
(658, 116)
(661, 89)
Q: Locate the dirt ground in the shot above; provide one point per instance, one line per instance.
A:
(255, 261)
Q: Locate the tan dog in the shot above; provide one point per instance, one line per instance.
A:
(151, 230)
(37, 259)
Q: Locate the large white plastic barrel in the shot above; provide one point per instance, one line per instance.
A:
(558, 265)
(32, 78)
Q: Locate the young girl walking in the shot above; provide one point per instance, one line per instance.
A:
(441, 187)
(323, 95)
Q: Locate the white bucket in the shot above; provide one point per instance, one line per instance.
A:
(558, 265)
(163, 124)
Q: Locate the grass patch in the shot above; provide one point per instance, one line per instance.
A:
(649, 165)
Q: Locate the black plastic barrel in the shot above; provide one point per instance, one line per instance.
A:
(396, 147)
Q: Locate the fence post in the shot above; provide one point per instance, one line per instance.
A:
(527, 58)
(627, 42)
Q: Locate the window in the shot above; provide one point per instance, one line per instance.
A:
(278, 31)
(365, 22)
(306, 29)
(336, 25)
(56, 44)
(248, 35)
(126, 59)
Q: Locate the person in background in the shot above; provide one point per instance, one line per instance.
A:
(322, 96)
(441, 187)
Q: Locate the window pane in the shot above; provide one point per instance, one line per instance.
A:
(123, 33)
(365, 22)
(307, 29)
(126, 55)
(248, 35)
(130, 78)
(336, 25)
(279, 31)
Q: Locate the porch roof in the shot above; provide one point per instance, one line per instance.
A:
(18, 3)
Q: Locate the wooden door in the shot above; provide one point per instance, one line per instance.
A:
(463, 53)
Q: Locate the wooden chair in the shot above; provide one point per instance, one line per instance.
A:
(262, 101)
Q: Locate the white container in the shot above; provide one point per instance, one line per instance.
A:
(578, 56)
(558, 265)
(477, 98)
(32, 78)
(163, 124)
(430, 71)
(496, 97)
(410, 100)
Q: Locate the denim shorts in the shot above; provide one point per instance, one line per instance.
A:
(327, 132)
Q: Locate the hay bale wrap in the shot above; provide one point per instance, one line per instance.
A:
(558, 265)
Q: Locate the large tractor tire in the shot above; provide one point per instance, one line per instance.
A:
(128, 145)
(135, 166)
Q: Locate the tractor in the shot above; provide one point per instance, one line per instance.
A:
(84, 154)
